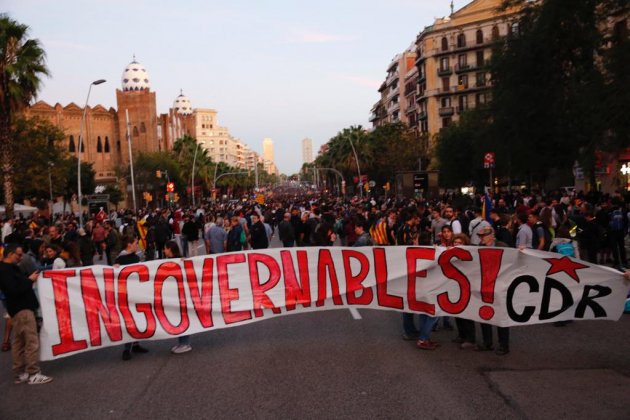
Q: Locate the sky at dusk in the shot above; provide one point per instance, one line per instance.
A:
(271, 68)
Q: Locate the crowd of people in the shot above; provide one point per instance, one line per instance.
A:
(588, 226)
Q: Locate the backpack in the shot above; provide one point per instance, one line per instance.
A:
(465, 222)
(616, 221)
(565, 248)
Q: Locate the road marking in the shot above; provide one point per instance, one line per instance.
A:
(355, 313)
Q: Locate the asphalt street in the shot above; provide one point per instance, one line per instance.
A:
(339, 364)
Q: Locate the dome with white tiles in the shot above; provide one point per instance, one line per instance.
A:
(135, 77)
(182, 105)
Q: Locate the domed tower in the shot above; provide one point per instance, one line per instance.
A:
(136, 100)
(182, 118)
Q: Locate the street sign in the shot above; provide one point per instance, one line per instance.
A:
(420, 182)
(488, 160)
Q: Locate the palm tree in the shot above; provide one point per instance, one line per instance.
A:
(22, 64)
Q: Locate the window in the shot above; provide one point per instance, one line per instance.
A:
(444, 64)
(461, 40)
(445, 102)
(444, 44)
(106, 144)
(462, 81)
(480, 99)
(479, 36)
(513, 28)
(461, 61)
(71, 147)
(481, 79)
(480, 59)
(99, 145)
(135, 131)
(463, 102)
(495, 33)
(143, 128)
(82, 145)
(446, 84)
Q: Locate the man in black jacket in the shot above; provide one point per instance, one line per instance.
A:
(21, 304)
(258, 233)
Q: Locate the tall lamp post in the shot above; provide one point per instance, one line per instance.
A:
(79, 195)
(356, 158)
(192, 186)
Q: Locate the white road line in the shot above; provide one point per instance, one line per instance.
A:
(355, 313)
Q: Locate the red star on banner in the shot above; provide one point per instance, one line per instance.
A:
(566, 265)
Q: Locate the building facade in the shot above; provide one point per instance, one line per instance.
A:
(307, 150)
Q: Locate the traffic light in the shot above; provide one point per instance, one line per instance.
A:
(170, 187)
(158, 174)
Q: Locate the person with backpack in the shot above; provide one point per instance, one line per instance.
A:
(541, 237)
(563, 243)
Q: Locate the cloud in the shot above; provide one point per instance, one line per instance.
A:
(313, 37)
(363, 81)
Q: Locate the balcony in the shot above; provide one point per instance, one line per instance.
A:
(443, 91)
(446, 111)
(411, 108)
(422, 78)
(445, 72)
(461, 68)
(391, 78)
(422, 115)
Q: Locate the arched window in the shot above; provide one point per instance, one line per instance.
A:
(143, 129)
(82, 145)
(479, 36)
(461, 40)
(444, 44)
(106, 144)
(99, 145)
(135, 131)
(495, 33)
(71, 147)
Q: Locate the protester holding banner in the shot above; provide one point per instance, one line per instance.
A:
(171, 250)
(487, 239)
(21, 304)
(129, 256)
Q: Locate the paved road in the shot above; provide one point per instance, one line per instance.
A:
(331, 365)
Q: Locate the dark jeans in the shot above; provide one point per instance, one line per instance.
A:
(618, 247)
(409, 325)
(466, 329)
(502, 332)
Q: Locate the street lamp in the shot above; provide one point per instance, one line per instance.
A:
(193, 175)
(80, 197)
(358, 169)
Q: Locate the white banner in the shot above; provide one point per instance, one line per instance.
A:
(99, 306)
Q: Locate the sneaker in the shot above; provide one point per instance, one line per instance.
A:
(466, 345)
(137, 348)
(502, 351)
(181, 348)
(21, 378)
(126, 355)
(39, 379)
(425, 345)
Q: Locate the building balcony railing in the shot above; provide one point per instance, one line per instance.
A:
(391, 77)
(411, 108)
(461, 68)
(446, 111)
(445, 72)
(422, 115)
(443, 90)
(422, 78)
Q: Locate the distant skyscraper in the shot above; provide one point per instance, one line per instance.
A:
(268, 149)
(307, 150)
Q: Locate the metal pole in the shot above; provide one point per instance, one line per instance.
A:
(133, 184)
(79, 194)
(193, 175)
(356, 158)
